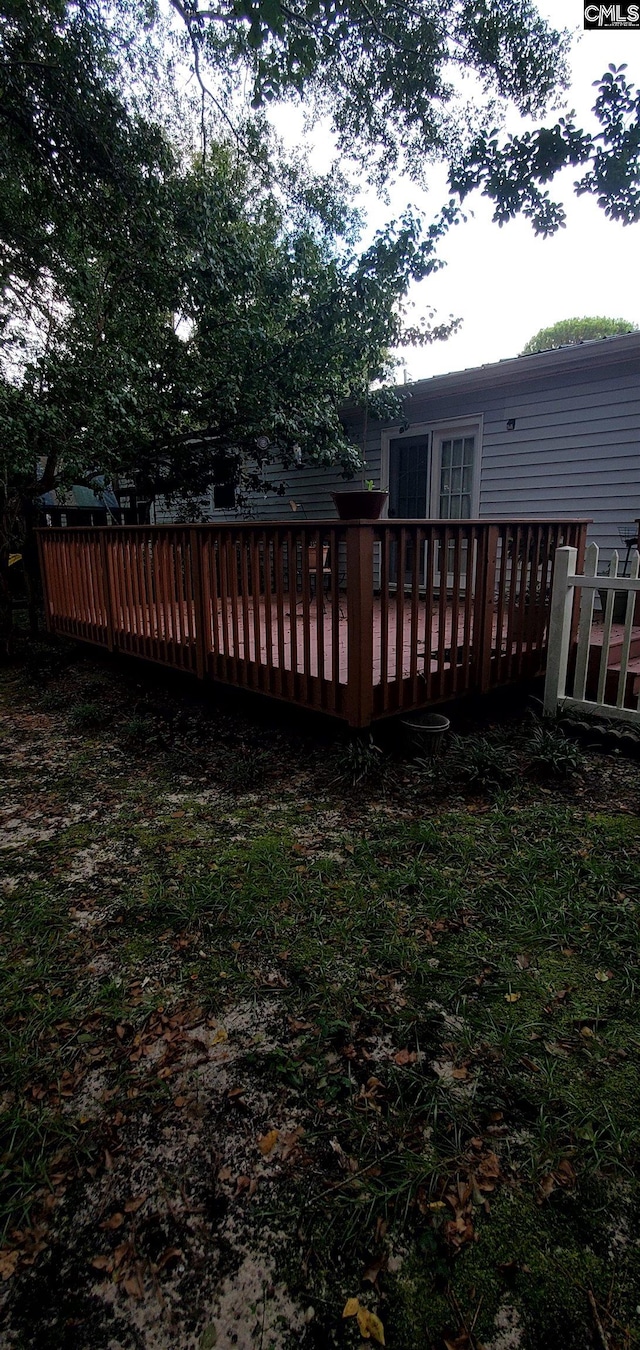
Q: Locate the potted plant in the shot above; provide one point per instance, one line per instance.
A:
(360, 503)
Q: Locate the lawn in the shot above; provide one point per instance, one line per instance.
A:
(292, 1062)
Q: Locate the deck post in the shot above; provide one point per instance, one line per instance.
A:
(559, 628)
(359, 700)
(485, 593)
(195, 549)
(106, 588)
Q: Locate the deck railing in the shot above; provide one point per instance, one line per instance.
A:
(357, 619)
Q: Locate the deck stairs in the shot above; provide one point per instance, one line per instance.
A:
(632, 683)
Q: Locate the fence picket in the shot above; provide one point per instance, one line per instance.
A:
(606, 632)
(626, 643)
(586, 620)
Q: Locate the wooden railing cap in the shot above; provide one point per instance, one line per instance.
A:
(333, 523)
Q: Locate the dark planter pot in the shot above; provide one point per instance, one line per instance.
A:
(359, 504)
(425, 733)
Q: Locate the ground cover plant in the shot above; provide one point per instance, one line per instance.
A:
(306, 1057)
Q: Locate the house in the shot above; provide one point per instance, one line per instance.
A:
(81, 506)
(552, 435)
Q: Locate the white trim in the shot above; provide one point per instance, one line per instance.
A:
(474, 424)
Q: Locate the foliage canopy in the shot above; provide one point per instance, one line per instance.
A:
(576, 330)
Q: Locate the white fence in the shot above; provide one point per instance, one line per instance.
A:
(610, 675)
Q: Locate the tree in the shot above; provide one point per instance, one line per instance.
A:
(393, 78)
(576, 330)
(164, 319)
(385, 70)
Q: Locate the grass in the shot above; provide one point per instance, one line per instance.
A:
(442, 1002)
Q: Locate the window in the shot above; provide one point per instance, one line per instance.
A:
(457, 454)
(409, 467)
(224, 496)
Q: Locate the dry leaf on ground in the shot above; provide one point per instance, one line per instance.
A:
(267, 1142)
(371, 1327)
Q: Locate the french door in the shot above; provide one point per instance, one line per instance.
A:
(432, 476)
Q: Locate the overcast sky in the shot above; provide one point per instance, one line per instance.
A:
(504, 283)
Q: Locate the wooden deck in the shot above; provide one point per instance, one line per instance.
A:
(359, 620)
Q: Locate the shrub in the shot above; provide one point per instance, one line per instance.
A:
(361, 761)
(552, 755)
(138, 731)
(246, 772)
(87, 716)
(480, 763)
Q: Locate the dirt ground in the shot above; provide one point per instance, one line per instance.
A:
(245, 1102)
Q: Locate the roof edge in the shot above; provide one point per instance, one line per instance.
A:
(573, 356)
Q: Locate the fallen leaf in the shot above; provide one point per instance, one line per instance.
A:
(461, 1342)
(405, 1057)
(208, 1338)
(267, 1142)
(248, 1184)
(461, 1073)
(8, 1263)
(547, 1185)
(351, 1307)
(512, 998)
(370, 1326)
(489, 1166)
(132, 1206)
(372, 1271)
(102, 1262)
(134, 1286)
(221, 1034)
(603, 975)
(554, 1048)
(565, 1173)
(171, 1254)
(289, 1142)
(116, 1221)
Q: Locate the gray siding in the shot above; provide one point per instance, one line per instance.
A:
(575, 449)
